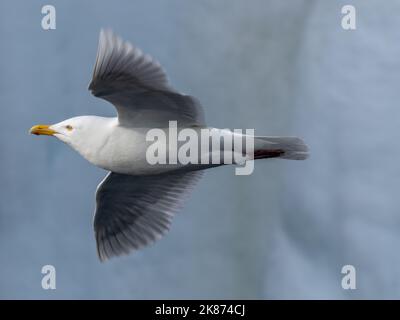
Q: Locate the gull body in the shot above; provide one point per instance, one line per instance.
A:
(137, 200)
(107, 144)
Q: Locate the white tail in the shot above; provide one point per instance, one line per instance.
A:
(280, 147)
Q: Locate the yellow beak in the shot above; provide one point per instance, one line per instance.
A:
(42, 129)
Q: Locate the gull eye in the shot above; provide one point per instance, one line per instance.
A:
(68, 127)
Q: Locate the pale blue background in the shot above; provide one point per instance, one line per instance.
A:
(281, 67)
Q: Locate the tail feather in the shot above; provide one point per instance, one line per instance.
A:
(291, 148)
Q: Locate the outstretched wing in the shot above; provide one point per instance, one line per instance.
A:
(134, 211)
(138, 87)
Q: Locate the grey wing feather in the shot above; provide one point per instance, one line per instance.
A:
(138, 87)
(134, 211)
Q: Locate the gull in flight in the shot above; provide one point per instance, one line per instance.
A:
(136, 201)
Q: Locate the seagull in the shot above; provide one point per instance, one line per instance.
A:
(136, 201)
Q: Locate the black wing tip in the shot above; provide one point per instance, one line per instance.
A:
(114, 252)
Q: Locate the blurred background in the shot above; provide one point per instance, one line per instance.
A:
(281, 67)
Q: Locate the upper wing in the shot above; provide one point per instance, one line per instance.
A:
(133, 211)
(138, 87)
